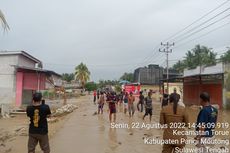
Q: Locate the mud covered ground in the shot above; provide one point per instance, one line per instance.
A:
(85, 131)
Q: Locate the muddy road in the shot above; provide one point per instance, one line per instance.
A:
(86, 132)
(83, 131)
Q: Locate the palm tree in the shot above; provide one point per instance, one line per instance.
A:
(3, 21)
(82, 74)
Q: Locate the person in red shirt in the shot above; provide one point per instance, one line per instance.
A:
(111, 100)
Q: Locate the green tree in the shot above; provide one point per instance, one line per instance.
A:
(128, 77)
(101, 84)
(90, 86)
(82, 74)
(199, 55)
(104, 83)
(68, 77)
(3, 21)
(179, 66)
(118, 88)
(226, 57)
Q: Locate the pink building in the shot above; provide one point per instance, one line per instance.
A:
(21, 75)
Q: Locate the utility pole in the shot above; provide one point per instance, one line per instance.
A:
(166, 49)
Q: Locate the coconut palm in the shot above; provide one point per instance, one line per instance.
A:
(3, 21)
(82, 74)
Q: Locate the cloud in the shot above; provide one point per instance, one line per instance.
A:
(112, 37)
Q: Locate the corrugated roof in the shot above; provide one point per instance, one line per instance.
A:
(216, 69)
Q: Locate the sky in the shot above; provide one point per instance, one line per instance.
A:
(110, 37)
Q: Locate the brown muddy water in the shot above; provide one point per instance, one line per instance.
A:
(85, 132)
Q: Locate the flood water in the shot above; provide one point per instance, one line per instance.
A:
(85, 132)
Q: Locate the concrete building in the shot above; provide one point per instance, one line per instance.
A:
(152, 74)
(21, 75)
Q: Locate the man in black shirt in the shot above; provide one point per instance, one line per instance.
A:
(38, 129)
(165, 100)
(177, 96)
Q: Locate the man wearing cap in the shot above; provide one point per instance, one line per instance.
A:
(38, 128)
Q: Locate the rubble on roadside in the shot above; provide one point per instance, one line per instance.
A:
(52, 120)
(7, 136)
(66, 109)
(6, 116)
(4, 111)
(21, 131)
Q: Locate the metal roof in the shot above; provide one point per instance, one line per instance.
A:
(25, 54)
(216, 69)
(37, 70)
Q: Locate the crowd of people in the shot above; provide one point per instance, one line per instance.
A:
(127, 99)
(171, 112)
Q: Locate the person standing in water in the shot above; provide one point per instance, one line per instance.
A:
(148, 106)
(126, 99)
(141, 102)
(111, 100)
(177, 96)
(98, 94)
(131, 101)
(94, 96)
(101, 102)
(165, 100)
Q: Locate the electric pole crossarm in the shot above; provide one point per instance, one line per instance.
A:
(167, 50)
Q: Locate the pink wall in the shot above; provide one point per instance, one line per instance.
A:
(19, 84)
(30, 81)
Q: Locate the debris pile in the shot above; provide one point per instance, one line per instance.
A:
(69, 108)
(5, 115)
(4, 111)
(7, 136)
(21, 131)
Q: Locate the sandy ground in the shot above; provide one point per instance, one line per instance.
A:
(84, 131)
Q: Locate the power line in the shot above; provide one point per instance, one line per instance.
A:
(152, 54)
(175, 34)
(203, 28)
(209, 32)
(201, 24)
(196, 22)
(148, 58)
